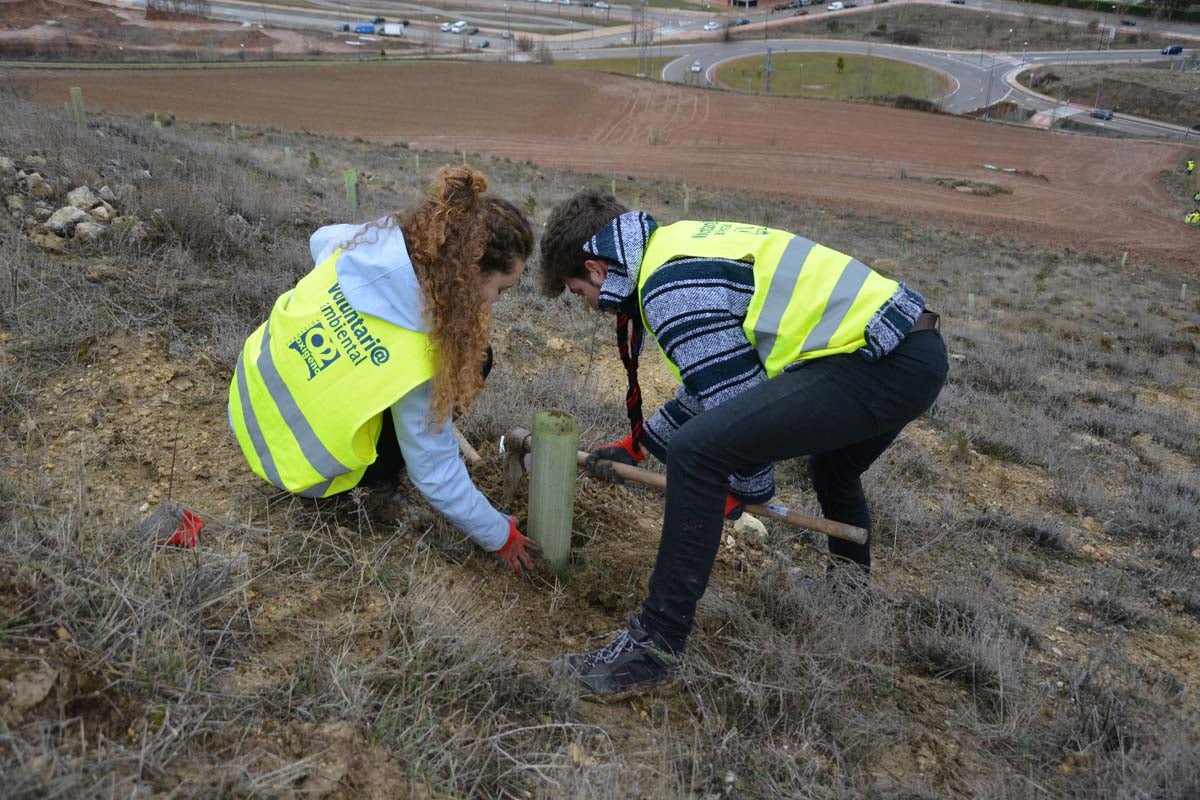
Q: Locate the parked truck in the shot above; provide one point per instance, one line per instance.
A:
(392, 29)
(364, 27)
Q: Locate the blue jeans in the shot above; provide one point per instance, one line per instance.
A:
(840, 411)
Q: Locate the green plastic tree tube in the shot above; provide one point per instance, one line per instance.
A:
(552, 485)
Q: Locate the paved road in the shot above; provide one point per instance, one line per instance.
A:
(976, 79)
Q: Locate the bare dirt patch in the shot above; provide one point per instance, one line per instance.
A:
(1100, 196)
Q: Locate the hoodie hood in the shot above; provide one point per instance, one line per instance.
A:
(376, 274)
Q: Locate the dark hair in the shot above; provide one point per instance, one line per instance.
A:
(571, 224)
(510, 236)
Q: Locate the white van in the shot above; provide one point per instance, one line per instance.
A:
(458, 27)
(836, 6)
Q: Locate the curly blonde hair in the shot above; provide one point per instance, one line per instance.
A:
(455, 237)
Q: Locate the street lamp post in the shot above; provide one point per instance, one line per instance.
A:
(1008, 41)
(987, 102)
(1024, 46)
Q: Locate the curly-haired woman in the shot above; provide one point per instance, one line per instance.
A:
(394, 316)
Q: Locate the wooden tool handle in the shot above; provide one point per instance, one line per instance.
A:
(838, 530)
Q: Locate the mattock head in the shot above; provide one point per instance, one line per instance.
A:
(514, 445)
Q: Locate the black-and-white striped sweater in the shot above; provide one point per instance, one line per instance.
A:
(695, 307)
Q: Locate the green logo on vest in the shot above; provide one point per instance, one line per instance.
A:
(349, 330)
(316, 348)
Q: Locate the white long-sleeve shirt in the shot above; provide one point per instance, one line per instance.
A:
(377, 277)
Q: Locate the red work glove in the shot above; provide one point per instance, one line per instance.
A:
(514, 552)
(620, 452)
(733, 507)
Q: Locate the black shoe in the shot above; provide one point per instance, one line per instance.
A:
(633, 661)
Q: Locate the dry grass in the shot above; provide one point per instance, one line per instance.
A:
(1033, 533)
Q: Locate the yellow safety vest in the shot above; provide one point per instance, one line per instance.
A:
(307, 398)
(809, 301)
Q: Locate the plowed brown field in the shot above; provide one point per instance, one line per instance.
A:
(1094, 194)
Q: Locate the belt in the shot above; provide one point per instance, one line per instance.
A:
(928, 321)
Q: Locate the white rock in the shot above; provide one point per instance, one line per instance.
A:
(749, 526)
(36, 161)
(101, 213)
(38, 186)
(41, 214)
(15, 203)
(7, 167)
(131, 229)
(106, 194)
(90, 231)
(64, 220)
(82, 198)
(47, 241)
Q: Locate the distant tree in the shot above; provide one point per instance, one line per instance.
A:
(525, 44)
(544, 56)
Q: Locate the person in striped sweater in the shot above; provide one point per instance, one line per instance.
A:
(783, 348)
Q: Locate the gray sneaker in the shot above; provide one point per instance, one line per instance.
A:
(632, 662)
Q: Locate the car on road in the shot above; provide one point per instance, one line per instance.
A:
(850, 5)
(345, 26)
(506, 35)
(484, 43)
(1129, 23)
(379, 20)
(740, 21)
(602, 4)
(458, 27)
(471, 31)
(801, 13)
(696, 67)
(446, 26)
(958, 2)
(711, 25)
(1172, 50)
(836, 6)
(1102, 113)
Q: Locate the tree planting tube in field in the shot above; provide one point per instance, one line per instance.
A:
(552, 485)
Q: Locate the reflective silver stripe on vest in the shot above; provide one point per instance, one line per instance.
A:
(849, 284)
(313, 448)
(317, 491)
(779, 295)
(252, 429)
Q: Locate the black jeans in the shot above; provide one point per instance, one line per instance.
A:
(840, 411)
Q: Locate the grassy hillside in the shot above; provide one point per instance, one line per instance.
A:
(1159, 90)
(1032, 632)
